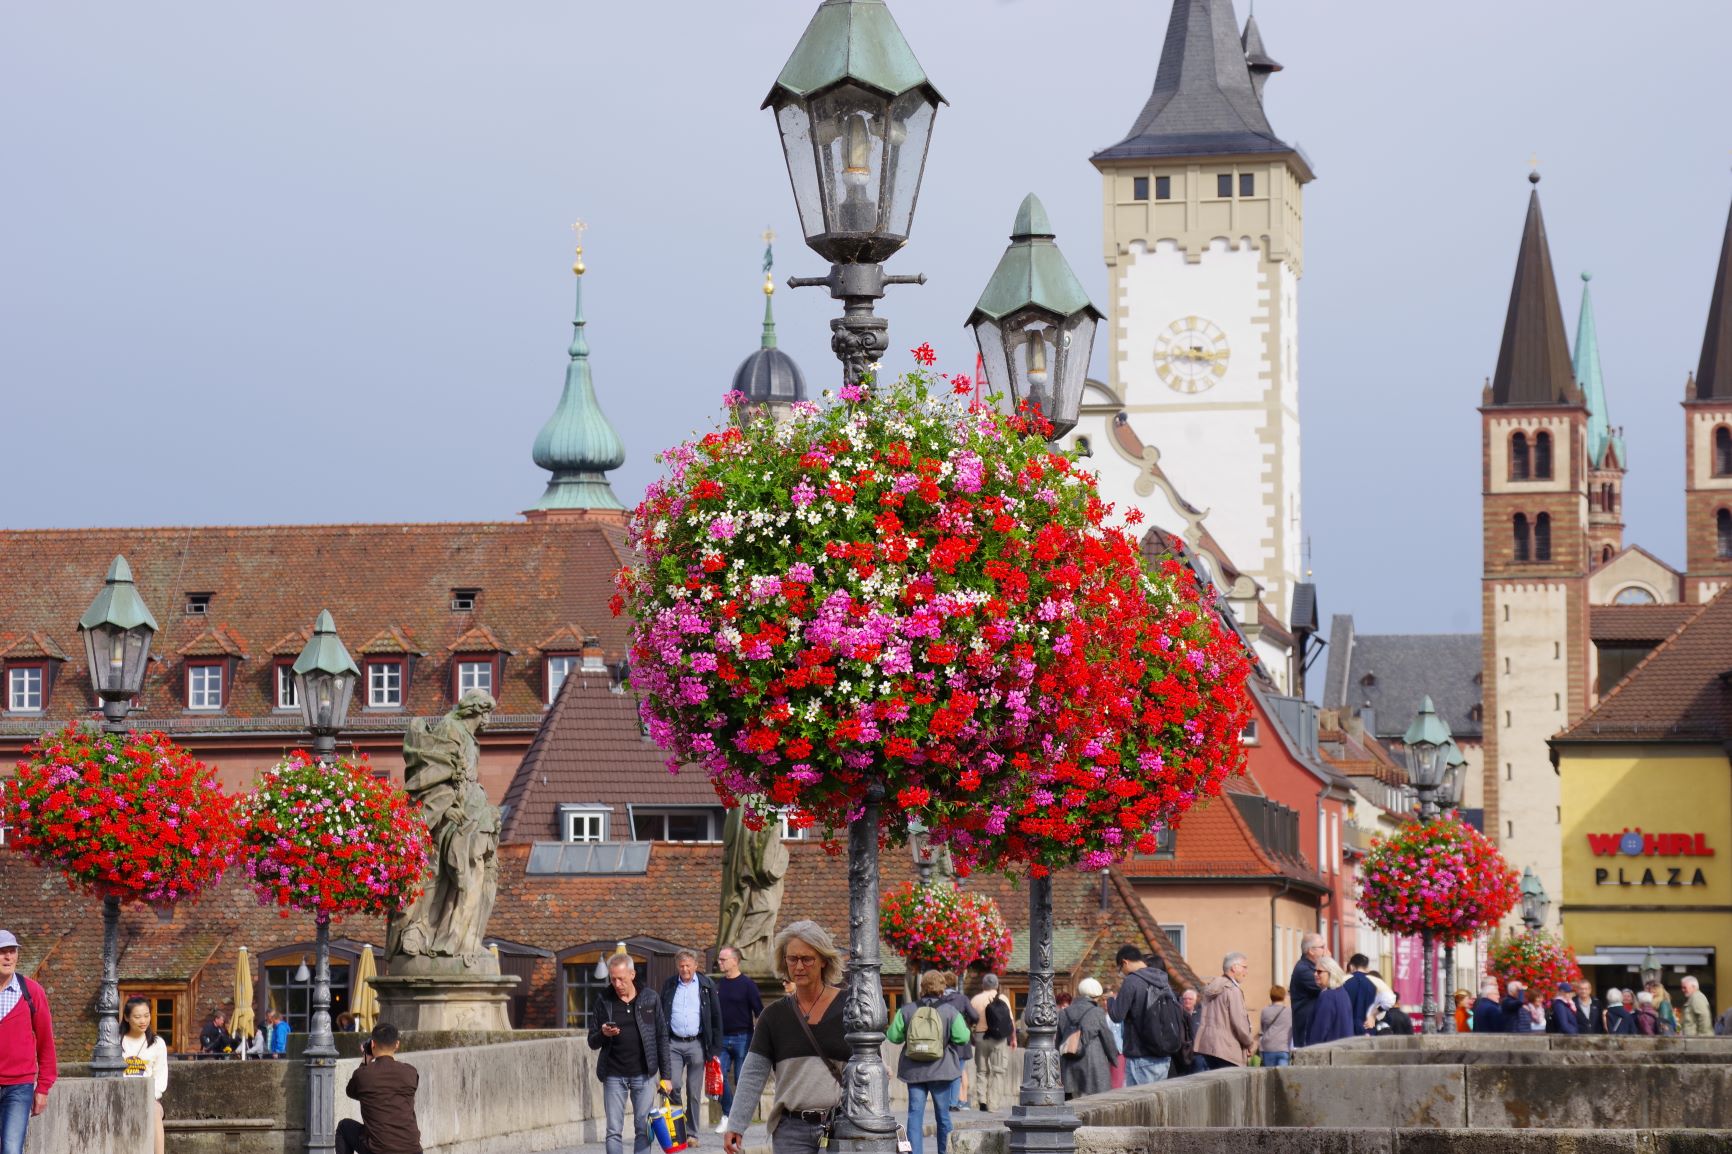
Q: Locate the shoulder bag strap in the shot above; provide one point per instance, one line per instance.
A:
(813, 1038)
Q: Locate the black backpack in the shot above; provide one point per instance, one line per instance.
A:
(998, 1023)
(1166, 1028)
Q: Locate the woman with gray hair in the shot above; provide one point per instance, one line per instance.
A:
(800, 1039)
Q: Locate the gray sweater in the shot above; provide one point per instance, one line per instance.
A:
(1275, 1029)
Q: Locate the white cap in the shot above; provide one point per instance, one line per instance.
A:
(7, 941)
(1089, 988)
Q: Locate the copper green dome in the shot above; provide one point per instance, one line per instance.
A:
(577, 445)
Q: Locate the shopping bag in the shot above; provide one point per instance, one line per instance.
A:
(713, 1078)
(668, 1123)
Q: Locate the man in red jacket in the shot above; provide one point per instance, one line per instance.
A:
(27, 1062)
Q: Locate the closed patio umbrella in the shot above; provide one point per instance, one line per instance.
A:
(366, 1003)
(241, 1024)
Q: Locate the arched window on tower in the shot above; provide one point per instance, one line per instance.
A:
(1605, 554)
(1518, 457)
(1543, 537)
(1723, 534)
(1723, 451)
(1543, 456)
(1521, 537)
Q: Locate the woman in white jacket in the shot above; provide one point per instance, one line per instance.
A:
(146, 1055)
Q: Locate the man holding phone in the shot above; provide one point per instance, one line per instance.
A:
(386, 1089)
(625, 1025)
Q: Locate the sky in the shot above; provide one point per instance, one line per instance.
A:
(310, 262)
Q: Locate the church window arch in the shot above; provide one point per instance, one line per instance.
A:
(1522, 540)
(1723, 534)
(1543, 537)
(1542, 456)
(1518, 457)
(1605, 554)
(1722, 451)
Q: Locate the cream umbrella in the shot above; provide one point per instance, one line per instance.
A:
(241, 1025)
(366, 1003)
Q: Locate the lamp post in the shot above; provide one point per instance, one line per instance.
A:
(1534, 901)
(325, 677)
(1448, 798)
(1036, 328)
(1427, 756)
(117, 632)
(855, 113)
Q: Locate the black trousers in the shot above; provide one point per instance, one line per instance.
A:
(352, 1138)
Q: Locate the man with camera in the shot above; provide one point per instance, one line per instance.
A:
(385, 1088)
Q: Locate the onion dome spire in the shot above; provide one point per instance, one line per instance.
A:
(577, 445)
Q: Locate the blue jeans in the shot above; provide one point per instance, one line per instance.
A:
(734, 1047)
(1278, 1058)
(642, 1092)
(918, 1092)
(1146, 1071)
(15, 1106)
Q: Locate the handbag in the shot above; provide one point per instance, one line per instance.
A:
(713, 1083)
(1071, 1047)
(668, 1123)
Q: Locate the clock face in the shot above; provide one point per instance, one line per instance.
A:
(1191, 355)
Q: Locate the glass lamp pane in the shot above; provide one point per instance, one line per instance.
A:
(802, 153)
(911, 117)
(848, 127)
(1075, 346)
(342, 692)
(989, 336)
(314, 692)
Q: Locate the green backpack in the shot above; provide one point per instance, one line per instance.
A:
(925, 1041)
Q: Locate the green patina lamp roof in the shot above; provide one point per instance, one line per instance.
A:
(1586, 363)
(118, 604)
(1032, 272)
(325, 651)
(1428, 728)
(577, 445)
(851, 40)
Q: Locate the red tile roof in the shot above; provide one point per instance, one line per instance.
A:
(478, 640)
(219, 641)
(1637, 622)
(20, 646)
(1682, 691)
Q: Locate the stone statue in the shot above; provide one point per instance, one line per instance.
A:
(753, 864)
(442, 931)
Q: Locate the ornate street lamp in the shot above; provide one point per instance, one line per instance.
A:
(1427, 740)
(855, 112)
(117, 632)
(1448, 798)
(1036, 329)
(325, 677)
(1035, 324)
(1534, 901)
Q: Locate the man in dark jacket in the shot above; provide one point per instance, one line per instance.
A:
(1304, 989)
(1587, 1009)
(1488, 1011)
(1360, 991)
(625, 1025)
(1561, 1016)
(1143, 989)
(385, 1088)
(692, 1025)
(215, 1038)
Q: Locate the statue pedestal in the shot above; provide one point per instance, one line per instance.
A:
(445, 1001)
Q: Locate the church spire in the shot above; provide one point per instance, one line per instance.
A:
(1586, 365)
(769, 338)
(1257, 57)
(1533, 363)
(1714, 373)
(577, 445)
(1204, 102)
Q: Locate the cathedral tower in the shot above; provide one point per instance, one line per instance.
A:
(1534, 423)
(1708, 446)
(1606, 462)
(1204, 212)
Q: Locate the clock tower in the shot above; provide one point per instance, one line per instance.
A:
(1204, 211)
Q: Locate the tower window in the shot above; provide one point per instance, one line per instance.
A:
(1605, 554)
(1518, 457)
(1543, 456)
(1543, 537)
(1522, 543)
(1140, 188)
(1247, 184)
(1722, 451)
(1723, 534)
(1163, 188)
(1224, 185)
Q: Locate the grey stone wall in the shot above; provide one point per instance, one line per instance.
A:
(86, 1116)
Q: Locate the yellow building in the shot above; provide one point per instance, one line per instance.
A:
(1646, 789)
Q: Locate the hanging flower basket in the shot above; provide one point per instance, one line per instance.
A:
(1440, 876)
(332, 840)
(941, 926)
(132, 816)
(1538, 959)
(905, 589)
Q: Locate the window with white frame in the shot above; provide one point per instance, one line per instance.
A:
(584, 824)
(204, 687)
(286, 698)
(474, 675)
(1176, 935)
(694, 823)
(1248, 735)
(24, 689)
(559, 667)
(384, 684)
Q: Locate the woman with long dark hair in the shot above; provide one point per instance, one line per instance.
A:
(146, 1055)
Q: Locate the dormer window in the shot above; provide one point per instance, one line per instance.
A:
(473, 675)
(204, 685)
(26, 688)
(197, 604)
(559, 667)
(285, 695)
(385, 683)
(463, 600)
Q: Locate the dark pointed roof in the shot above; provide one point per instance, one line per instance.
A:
(1714, 374)
(1203, 103)
(1256, 56)
(1533, 364)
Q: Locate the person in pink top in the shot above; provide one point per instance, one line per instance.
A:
(27, 1062)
